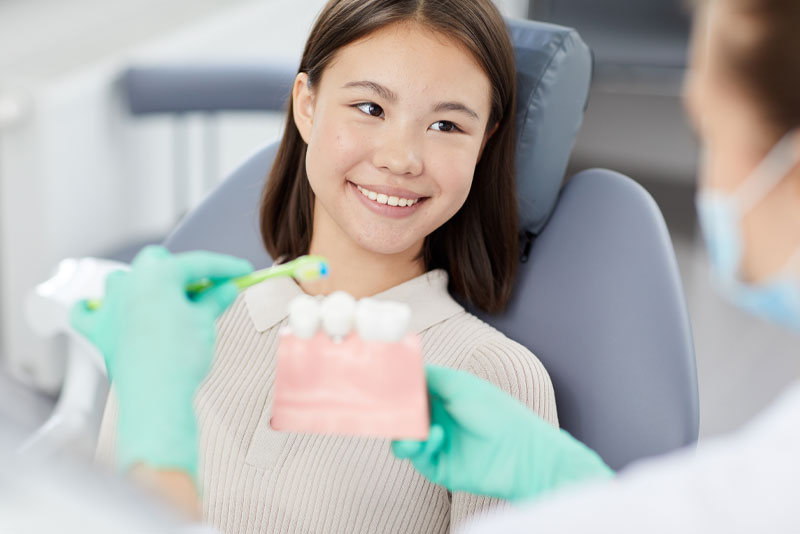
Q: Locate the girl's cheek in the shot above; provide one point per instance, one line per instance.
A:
(454, 179)
(458, 166)
(345, 150)
(332, 136)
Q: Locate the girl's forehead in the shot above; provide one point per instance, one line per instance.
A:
(412, 57)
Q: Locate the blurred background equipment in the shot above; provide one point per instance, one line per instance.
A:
(75, 419)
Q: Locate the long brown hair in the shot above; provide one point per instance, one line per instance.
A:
(762, 56)
(478, 245)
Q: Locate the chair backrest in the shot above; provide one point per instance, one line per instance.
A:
(598, 301)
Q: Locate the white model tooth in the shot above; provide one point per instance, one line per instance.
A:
(337, 314)
(392, 321)
(393, 201)
(395, 318)
(304, 316)
(382, 199)
(402, 202)
(368, 319)
(412, 202)
(373, 195)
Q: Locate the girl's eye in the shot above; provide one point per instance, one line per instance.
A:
(444, 126)
(370, 108)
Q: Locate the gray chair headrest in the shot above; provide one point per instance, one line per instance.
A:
(554, 70)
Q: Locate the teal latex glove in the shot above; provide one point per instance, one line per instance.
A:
(484, 441)
(158, 346)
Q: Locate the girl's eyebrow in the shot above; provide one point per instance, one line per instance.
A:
(383, 92)
(455, 106)
(388, 94)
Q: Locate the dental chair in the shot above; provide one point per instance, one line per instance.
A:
(598, 296)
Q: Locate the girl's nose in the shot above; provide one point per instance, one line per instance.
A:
(399, 152)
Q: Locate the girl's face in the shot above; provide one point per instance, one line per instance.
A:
(394, 130)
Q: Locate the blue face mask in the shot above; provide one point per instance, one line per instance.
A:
(777, 300)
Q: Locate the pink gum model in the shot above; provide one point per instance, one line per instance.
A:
(352, 386)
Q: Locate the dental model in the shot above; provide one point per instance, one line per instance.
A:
(347, 367)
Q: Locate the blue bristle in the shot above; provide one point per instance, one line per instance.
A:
(323, 270)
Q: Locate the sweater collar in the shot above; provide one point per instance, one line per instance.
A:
(268, 302)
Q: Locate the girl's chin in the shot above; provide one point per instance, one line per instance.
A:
(388, 246)
(386, 250)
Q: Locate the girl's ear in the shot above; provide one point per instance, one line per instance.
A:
(302, 105)
(486, 137)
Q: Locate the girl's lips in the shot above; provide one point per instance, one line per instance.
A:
(395, 212)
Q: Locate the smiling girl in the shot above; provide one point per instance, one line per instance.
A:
(397, 165)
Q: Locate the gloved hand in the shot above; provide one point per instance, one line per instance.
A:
(158, 346)
(484, 441)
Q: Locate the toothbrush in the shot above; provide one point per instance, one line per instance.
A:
(304, 268)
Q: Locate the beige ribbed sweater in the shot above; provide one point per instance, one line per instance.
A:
(255, 479)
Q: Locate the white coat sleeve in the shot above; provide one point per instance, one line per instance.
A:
(749, 482)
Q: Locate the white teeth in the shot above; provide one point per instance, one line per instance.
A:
(374, 320)
(395, 318)
(386, 199)
(367, 319)
(382, 320)
(337, 314)
(304, 316)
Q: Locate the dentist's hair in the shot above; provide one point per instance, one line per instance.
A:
(760, 52)
(478, 246)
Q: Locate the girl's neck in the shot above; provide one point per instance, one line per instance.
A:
(360, 272)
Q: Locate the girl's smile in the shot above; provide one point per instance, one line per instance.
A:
(389, 201)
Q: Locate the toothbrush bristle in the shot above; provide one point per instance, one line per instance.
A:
(313, 271)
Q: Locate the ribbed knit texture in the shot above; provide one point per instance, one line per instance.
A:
(255, 479)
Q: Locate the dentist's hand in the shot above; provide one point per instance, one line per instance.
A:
(484, 441)
(158, 346)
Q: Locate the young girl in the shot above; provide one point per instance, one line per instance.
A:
(397, 166)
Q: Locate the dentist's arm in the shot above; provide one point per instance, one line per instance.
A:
(484, 441)
(743, 482)
(158, 346)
